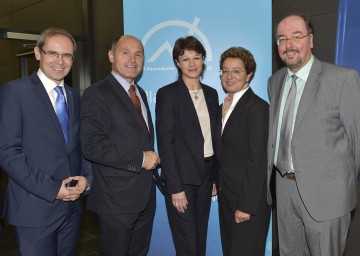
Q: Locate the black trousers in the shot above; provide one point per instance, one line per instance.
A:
(247, 238)
(189, 229)
(127, 234)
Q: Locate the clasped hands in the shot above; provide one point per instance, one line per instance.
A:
(67, 193)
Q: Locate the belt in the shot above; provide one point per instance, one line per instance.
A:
(290, 176)
(209, 158)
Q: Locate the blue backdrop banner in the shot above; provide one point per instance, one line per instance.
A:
(218, 25)
(348, 34)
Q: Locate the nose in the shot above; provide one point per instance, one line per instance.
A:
(132, 58)
(289, 43)
(230, 74)
(60, 59)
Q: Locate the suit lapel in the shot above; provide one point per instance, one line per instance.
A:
(40, 91)
(311, 86)
(150, 123)
(187, 103)
(218, 133)
(212, 111)
(238, 110)
(276, 100)
(124, 96)
(70, 106)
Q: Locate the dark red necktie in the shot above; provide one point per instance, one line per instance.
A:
(135, 99)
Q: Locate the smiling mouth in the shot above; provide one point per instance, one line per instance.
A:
(290, 52)
(230, 83)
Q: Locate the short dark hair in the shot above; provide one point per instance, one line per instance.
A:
(243, 54)
(189, 43)
(50, 32)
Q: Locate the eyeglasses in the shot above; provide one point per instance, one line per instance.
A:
(234, 72)
(54, 55)
(294, 39)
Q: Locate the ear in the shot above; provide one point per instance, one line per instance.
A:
(311, 38)
(248, 76)
(177, 63)
(37, 52)
(111, 56)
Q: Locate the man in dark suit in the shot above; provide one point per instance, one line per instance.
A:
(318, 159)
(40, 151)
(118, 137)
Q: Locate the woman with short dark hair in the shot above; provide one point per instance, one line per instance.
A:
(186, 112)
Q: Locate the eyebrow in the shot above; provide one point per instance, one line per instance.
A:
(293, 33)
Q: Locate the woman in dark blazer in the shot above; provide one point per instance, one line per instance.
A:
(186, 113)
(241, 143)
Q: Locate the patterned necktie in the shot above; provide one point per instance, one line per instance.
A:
(135, 99)
(61, 112)
(284, 151)
(227, 104)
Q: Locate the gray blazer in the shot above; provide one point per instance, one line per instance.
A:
(325, 144)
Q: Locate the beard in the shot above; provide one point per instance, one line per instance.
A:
(292, 62)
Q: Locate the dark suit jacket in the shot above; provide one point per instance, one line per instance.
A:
(241, 153)
(114, 138)
(34, 154)
(179, 137)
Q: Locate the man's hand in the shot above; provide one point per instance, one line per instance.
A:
(179, 201)
(67, 193)
(241, 216)
(151, 160)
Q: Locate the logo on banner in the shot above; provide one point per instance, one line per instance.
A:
(166, 47)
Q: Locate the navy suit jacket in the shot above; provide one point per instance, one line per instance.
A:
(34, 154)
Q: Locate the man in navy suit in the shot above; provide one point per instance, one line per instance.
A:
(41, 153)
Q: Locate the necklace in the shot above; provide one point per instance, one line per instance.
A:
(195, 94)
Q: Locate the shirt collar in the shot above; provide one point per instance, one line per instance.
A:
(122, 81)
(238, 95)
(304, 72)
(48, 83)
